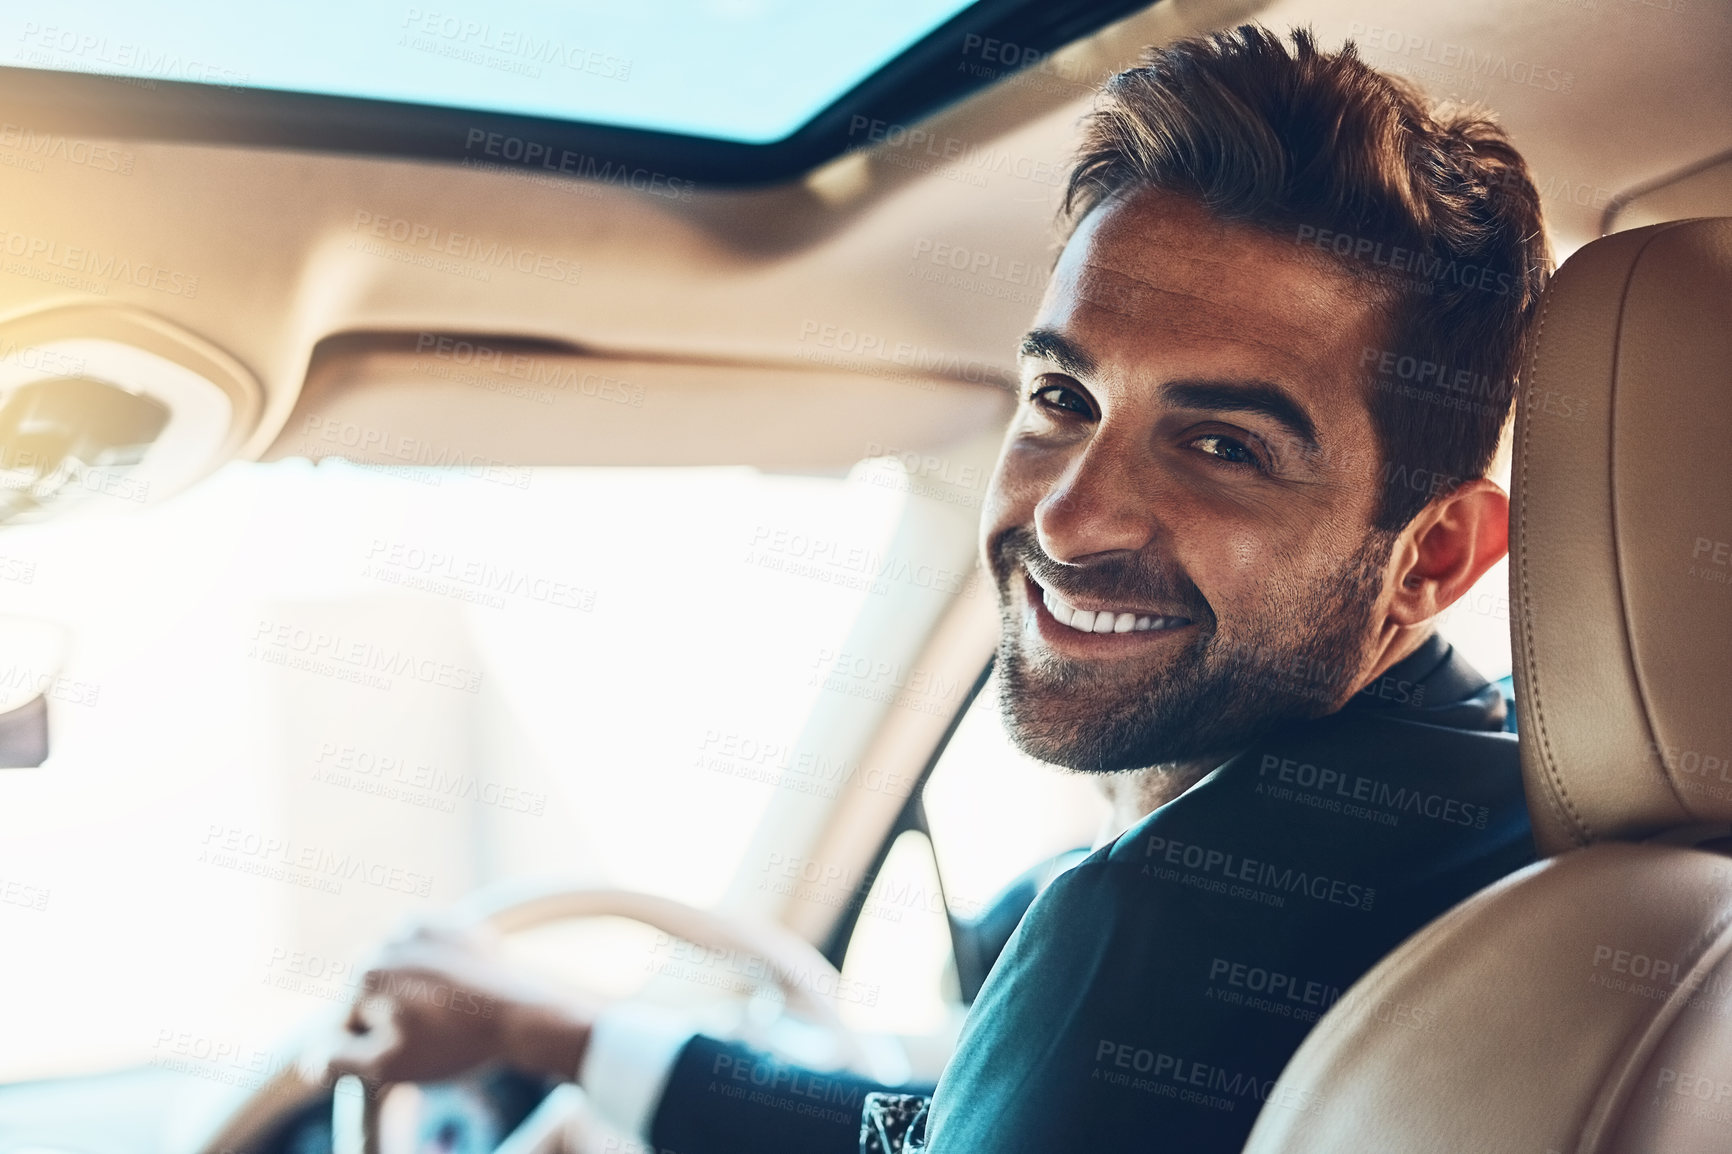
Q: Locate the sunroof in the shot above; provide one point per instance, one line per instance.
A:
(746, 71)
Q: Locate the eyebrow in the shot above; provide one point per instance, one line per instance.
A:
(1047, 345)
(1259, 397)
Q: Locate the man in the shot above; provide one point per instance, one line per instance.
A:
(1246, 472)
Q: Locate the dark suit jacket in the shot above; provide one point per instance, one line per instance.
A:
(1153, 993)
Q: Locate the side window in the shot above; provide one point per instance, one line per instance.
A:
(995, 812)
(992, 814)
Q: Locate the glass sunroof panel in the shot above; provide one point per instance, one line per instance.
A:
(742, 70)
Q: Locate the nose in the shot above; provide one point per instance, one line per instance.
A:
(1105, 502)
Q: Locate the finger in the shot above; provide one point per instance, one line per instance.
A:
(369, 1050)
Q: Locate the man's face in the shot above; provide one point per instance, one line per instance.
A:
(1191, 454)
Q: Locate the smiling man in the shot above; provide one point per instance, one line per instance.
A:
(1183, 520)
(1246, 472)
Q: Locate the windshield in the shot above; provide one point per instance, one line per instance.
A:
(302, 702)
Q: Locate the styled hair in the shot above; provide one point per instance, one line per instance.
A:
(1432, 207)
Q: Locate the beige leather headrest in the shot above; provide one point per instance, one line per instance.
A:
(1621, 540)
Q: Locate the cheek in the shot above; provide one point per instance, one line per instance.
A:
(1229, 563)
(1253, 567)
(1021, 478)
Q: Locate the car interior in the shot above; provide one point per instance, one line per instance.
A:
(1580, 1004)
(525, 467)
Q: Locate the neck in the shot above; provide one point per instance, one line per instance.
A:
(1398, 645)
(1136, 793)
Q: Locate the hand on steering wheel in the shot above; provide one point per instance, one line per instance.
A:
(424, 1011)
(440, 1000)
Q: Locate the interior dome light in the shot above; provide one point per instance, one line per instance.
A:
(106, 408)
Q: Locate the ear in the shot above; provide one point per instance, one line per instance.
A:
(1446, 548)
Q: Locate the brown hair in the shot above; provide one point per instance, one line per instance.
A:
(1434, 207)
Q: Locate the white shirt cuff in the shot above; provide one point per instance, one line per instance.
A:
(632, 1050)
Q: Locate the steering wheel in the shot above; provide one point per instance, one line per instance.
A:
(805, 979)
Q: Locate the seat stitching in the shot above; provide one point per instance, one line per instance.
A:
(1618, 553)
(1557, 794)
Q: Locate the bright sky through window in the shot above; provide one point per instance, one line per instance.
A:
(742, 70)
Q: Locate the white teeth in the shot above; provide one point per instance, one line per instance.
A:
(1087, 621)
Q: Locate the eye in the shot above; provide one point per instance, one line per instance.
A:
(1224, 448)
(1053, 396)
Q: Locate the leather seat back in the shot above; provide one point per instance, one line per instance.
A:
(1584, 1004)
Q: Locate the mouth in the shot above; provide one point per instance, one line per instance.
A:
(1097, 629)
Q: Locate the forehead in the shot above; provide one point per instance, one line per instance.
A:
(1154, 288)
